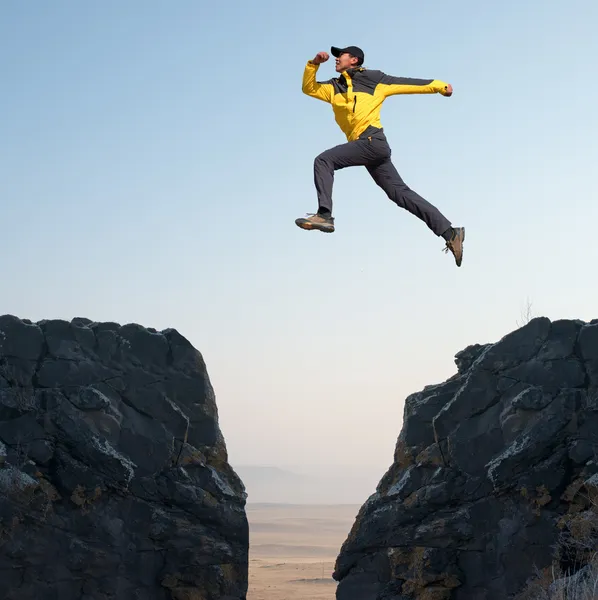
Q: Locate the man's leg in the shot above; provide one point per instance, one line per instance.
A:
(350, 154)
(386, 176)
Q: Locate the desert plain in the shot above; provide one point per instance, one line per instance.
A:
(293, 548)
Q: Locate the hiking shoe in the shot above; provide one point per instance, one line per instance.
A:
(320, 222)
(455, 244)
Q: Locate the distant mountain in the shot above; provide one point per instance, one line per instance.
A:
(305, 485)
(268, 475)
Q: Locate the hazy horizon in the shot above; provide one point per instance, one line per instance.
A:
(308, 484)
(154, 158)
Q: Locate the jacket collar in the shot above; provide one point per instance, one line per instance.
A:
(351, 72)
(354, 70)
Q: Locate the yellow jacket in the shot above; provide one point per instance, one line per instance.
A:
(358, 93)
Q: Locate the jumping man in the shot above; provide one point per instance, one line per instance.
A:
(356, 97)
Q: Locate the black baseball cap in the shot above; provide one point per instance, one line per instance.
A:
(353, 50)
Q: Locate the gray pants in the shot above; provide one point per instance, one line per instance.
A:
(372, 151)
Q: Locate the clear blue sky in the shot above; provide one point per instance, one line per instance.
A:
(154, 156)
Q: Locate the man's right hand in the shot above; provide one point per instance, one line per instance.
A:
(320, 58)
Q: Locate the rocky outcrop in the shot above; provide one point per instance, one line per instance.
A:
(493, 469)
(114, 480)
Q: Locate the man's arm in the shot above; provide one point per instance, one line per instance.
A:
(313, 88)
(392, 86)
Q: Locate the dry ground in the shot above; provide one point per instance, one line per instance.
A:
(293, 548)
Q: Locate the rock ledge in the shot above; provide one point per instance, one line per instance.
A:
(491, 471)
(114, 476)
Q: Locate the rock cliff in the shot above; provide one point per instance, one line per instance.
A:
(494, 475)
(114, 480)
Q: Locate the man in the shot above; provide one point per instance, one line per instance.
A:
(356, 97)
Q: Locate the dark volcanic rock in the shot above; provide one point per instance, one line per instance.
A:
(114, 477)
(489, 469)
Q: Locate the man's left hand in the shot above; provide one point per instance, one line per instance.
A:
(448, 90)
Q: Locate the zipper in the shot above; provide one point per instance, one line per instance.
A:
(354, 102)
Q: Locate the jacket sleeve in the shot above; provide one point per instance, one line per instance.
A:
(391, 86)
(313, 88)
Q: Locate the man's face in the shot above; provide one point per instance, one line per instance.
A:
(345, 61)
